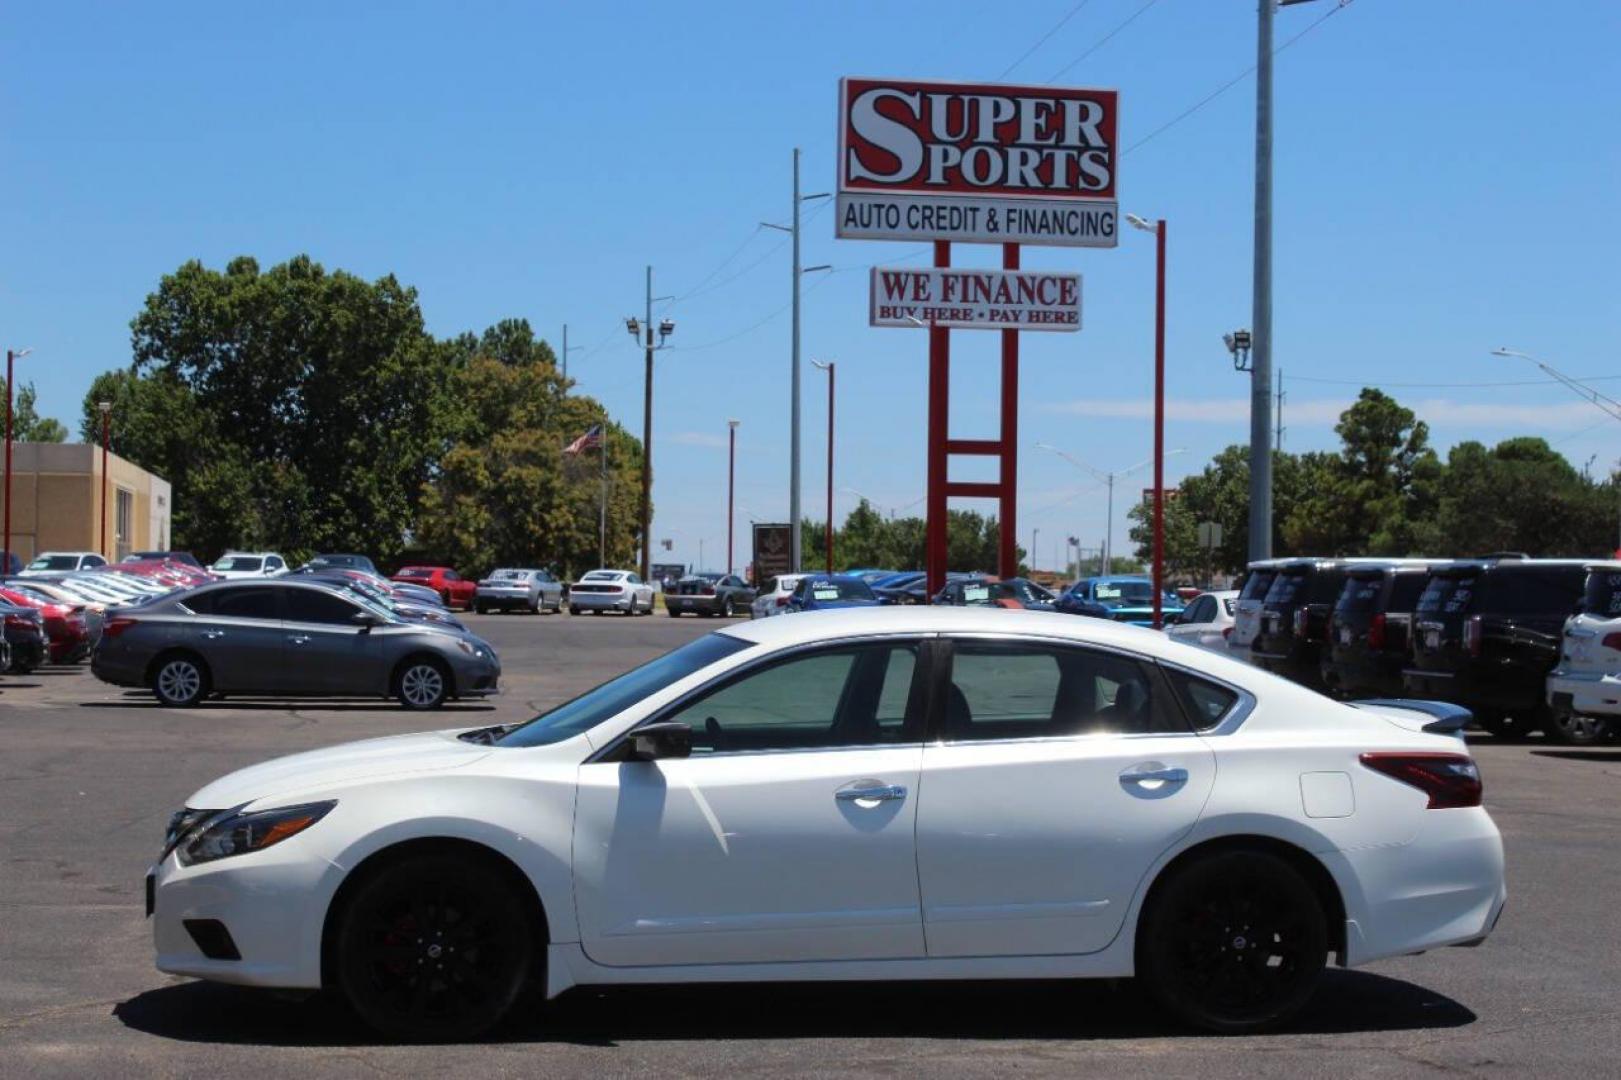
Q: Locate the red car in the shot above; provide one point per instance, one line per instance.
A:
(67, 636)
(453, 589)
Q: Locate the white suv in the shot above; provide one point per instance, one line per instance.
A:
(773, 599)
(50, 563)
(249, 564)
(1584, 691)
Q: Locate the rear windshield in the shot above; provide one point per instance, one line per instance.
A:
(616, 695)
(1603, 593)
(1257, 584)
(415, 571)
(1360, 594)
(602, 575)
(1288, 588)
(1447, 594)
(510, 575)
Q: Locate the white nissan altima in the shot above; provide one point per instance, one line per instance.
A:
(885, 793)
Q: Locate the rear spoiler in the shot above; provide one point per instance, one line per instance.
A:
(1447, 719)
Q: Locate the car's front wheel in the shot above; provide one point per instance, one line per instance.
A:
(180, 681)
(1233, 942)
(422, 684)
(726, 609)
(434, 948)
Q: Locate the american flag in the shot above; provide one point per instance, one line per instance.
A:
(592, 438)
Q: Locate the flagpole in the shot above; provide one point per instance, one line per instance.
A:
(602, 506)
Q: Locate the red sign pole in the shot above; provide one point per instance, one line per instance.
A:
(1159, 424)
(939, 412)
(1008, 549)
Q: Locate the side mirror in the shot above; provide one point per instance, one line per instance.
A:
(366, 620)
(665, 739)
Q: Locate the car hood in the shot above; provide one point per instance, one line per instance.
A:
(371, 759)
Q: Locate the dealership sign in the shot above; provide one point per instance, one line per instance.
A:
(975, 299)
(977, 163)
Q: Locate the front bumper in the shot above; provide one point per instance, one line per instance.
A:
(1590, 693)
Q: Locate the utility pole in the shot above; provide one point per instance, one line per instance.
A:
(1260, 523)
(12, 357)
(566, 350)
(1277, 439)
(731, 487)
(795, 545)
(831, 368)
(602, 506)
(666, 328)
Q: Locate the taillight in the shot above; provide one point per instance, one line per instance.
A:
(709, 590)
(1302, 622)
(782, 601)
(19, 622)
(1450, 780)
(1472, 635)
(1226, 633)
(1376, 632)
(1612, 641)
(115, 626)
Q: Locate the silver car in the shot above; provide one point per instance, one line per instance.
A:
(288, 637)
(522, 590)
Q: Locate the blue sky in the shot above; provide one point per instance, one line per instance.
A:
(1446, 182)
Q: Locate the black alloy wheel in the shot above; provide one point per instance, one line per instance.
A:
(1233, 943)
(434, 948)
(1573, 729)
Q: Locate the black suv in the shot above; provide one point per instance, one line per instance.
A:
(1294, 617)
(1367, 644)
(1486, 633)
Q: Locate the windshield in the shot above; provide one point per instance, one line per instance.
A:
(616, 695)
(1124, 592)
(830, 589)
(415, 571)
(239, 562)
(55, 562)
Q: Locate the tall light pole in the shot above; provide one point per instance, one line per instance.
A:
(11, 358)
(1158, 228)
(665, 328)
(731, 487)
(106, 408)
(829, 366)
(1035, 534)
(794, 544)
(1609, 405)
(563, 356)
(1106, 553)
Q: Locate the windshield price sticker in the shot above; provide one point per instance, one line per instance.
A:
(825, 594)
(976, 592)
(979, 163)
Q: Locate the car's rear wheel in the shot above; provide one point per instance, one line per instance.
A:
(726, 608)
(572, 610)
(422, 684)
(1233, 942)
(180, 680)
(434, 947)
(1573, 729)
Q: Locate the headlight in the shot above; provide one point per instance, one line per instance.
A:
(233, 832)
(472, 650)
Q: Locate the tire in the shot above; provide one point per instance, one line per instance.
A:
(180, 680)
(1233, 943)
(671, 612)
(726, 611)
(480, 609)
(535, 605)
(434, 948)
(1572, 729)
(572, 610)
(421, 683)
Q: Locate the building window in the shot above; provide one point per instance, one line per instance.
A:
(123, 515)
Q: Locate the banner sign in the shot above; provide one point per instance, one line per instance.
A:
(975, 299)
(977, 163)
(773, 551)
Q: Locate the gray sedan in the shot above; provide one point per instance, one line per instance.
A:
(292, 637)
(522, 590)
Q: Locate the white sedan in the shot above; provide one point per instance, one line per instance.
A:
(1206, 622)
(877, 794)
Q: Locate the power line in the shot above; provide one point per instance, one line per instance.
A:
(1339, 6)
(1104, 40)
(1059, 25)
(1441, 385)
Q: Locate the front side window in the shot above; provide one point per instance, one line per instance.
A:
(853, 696)
(1002, 690)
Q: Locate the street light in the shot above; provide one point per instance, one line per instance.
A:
(1158, 228)
(11, 358)
(106, 409)
(829, 366)
(665, 329)
(731, 486)
(1108, 479)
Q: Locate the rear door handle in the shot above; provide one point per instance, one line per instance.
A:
(884, 793)
(1154, 773)
(298, 639)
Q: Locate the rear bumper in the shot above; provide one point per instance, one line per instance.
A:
(1590, 693)
(706, 605)
(595, 601)
(503, 599)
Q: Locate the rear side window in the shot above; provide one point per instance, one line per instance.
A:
(247, 603)
(1257, 584)
(1206, 703)
(1359, 594)
(1602, 596)
(316, 606)
(1025, 691)
(1288, 588)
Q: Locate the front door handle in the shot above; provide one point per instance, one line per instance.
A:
(213, 635)
(884, 793)
(298, 639)
(1155, 773)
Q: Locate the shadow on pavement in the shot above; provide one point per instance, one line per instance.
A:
(1581, 755)
(1348, 1001)
(289, 705)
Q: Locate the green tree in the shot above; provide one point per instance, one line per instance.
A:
(1522, 495)
(26, 423)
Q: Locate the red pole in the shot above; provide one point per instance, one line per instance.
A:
(10, 359)
(1159, 424)
(731, 489)
(939, 403)
(106, 481)
(1008, 547)
(831, 366)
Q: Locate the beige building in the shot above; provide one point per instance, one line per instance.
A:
(57, 493)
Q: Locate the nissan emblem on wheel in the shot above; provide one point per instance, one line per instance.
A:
(978, 163)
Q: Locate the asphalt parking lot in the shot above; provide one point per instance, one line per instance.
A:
(89, 774)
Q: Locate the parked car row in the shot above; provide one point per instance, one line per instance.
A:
(1525, 644)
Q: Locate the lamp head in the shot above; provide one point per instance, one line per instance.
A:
(666, 328)
(104, 407)
(633, 326)
(1141, 223)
